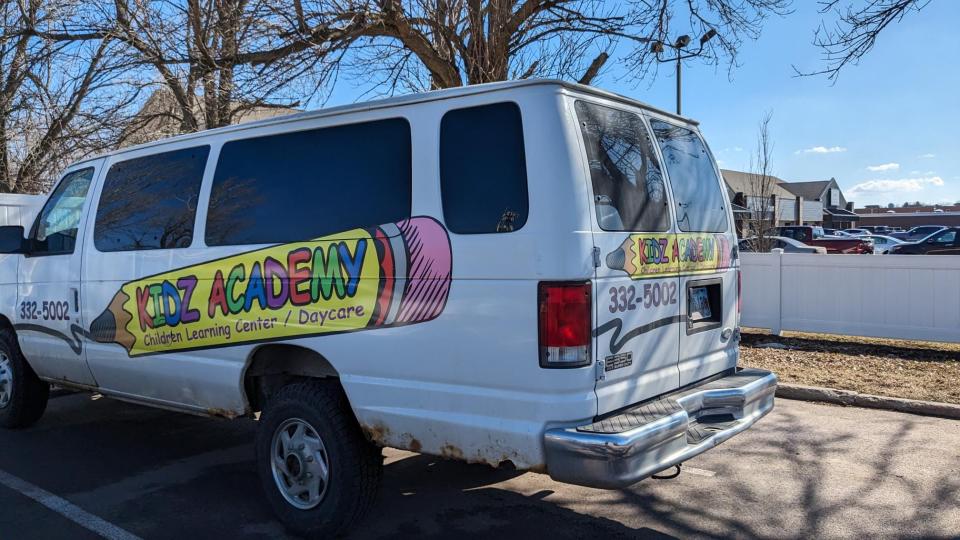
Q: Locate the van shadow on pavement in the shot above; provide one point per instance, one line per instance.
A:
(805, 471)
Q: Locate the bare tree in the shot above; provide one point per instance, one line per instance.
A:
(855, 33)
(415, 45)
(762, 185)
(71, 69)
(60, 96)
(220, 58)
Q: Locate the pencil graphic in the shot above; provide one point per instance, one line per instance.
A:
(389, 275)
(643, 255)
(724, 252)
(104, 327)
(646, 255)
(622, 258)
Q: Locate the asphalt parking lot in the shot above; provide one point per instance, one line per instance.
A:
(807, 470)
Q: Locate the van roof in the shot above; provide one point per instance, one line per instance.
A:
(409, 99)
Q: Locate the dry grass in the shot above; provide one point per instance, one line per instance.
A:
(886, 367)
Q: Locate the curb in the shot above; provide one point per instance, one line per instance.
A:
(856, 399)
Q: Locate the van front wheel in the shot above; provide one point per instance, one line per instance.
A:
(319, 472)
(23, 396)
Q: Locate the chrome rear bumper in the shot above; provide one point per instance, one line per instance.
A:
(621, 450)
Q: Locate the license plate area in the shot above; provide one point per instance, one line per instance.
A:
(704, 305)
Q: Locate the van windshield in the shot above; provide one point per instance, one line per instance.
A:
(701, 206)
(628, 189)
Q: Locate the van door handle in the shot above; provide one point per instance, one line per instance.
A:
(726, 333)
(76, 299)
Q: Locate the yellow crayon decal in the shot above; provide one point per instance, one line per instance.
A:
(645, 255)
(397, 273)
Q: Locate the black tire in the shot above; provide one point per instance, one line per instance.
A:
(27, 393)
(355, 465)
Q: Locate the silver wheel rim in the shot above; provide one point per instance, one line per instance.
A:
(300, 465)
(6, 380)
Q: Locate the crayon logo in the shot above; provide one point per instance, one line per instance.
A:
(659, 255)
(365, 278)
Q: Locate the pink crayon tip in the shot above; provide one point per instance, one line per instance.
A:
(430, 271)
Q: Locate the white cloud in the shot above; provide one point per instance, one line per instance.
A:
(884, 167)
(927, 156)
(902, 185)
(821, 150)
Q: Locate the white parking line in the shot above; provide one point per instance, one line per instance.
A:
(66, 509)
(698, 472)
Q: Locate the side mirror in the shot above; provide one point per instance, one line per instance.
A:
(11, 239)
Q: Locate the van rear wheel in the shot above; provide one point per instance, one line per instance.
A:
(23, 396)
(318, 471)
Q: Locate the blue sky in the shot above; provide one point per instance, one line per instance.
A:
(887, 130)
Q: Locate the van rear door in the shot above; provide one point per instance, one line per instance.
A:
(637, 291)
(705, 253)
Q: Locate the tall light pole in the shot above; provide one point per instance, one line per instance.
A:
(657, 48)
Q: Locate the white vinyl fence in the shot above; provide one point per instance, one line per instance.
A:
(890, 296)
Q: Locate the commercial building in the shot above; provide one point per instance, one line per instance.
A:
(910, 216)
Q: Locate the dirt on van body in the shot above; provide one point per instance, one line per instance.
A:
(887, 367)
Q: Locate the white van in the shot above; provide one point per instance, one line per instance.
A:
(19, 209)
(535, 274)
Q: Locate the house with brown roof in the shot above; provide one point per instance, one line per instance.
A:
(837, 212)
(745, 193)
(159, 117)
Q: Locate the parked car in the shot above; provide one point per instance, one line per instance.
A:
(917, 233)
(813, 236)
(788, 245)
(857, 232)
(943, 242)
(826, 232)
(353, 274)
(882, 243)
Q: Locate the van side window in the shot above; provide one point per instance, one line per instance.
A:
(55, 231)
(306, 184)
(701, 206)
(150, 202)
(628, 189)
(483, 169)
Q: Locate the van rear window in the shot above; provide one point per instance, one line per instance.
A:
(701, 206)
(306, 184)
(628, 189)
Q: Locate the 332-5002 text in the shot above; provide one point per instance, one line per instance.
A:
(45, 310)
(654, 295)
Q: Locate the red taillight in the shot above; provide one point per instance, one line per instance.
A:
(564, 322)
